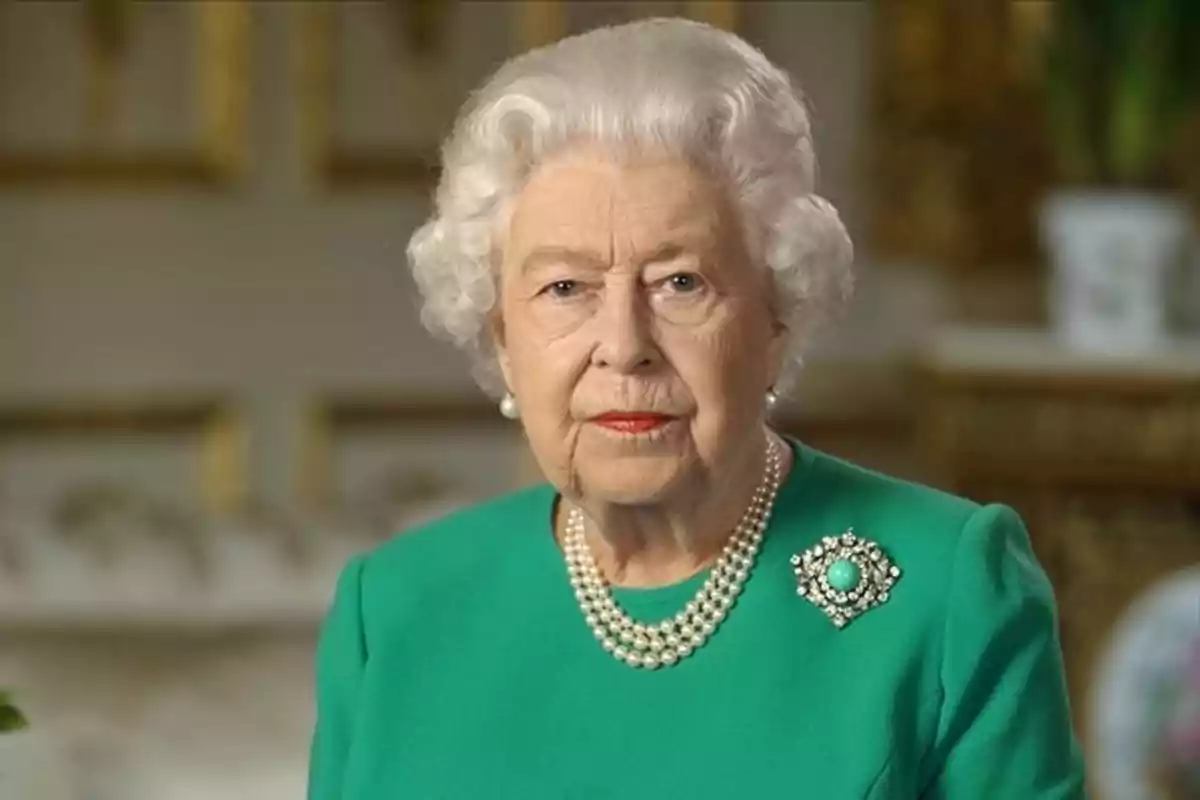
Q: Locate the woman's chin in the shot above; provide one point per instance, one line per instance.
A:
(627, 482)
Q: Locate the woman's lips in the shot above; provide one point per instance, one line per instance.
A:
(631, 421)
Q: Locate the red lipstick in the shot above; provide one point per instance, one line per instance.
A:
(631, 421)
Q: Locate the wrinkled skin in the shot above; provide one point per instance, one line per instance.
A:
(626, 286)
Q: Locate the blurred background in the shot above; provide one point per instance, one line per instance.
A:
(214, 385)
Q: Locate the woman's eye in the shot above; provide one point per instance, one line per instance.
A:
(564, 288)
(684, 282)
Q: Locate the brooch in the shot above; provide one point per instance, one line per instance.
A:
(844, 576)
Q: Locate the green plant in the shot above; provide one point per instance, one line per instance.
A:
(11, 719)
(1122, 80)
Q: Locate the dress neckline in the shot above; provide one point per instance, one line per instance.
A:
(652, 604)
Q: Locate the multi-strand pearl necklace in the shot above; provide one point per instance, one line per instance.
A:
(666, 643)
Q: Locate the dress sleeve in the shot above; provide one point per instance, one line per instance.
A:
(1004, 731)
(341, 656)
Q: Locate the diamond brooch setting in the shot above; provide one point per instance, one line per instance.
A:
(845, 576)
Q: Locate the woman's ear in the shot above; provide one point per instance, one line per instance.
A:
(776, 348)
(505, 371)
(497, 331)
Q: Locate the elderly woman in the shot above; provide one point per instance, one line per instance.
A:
(627, 240)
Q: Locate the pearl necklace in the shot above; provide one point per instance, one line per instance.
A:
(669, 642)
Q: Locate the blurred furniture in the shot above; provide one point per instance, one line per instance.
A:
(1100, 455)
(1145, 712)
(133, 514)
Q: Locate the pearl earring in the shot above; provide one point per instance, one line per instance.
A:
(770, 399)
(508, 406)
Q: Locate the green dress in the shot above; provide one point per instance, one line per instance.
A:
(455, 663)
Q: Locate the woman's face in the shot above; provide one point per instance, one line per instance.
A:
(633, 331)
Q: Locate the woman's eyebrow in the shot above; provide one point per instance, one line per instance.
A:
(553, 254)
(667, 251)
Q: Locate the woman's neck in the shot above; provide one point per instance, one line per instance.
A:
(648, 546)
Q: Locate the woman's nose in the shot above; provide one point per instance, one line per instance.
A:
(623, 336)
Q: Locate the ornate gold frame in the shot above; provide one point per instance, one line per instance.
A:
(222, 31)
(534, 23)
(224, 441)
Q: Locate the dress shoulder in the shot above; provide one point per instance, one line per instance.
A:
(481, 525)
(453, 553)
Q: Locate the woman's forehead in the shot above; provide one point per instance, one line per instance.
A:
(615, 209)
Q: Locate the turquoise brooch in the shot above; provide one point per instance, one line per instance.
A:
(845, 576)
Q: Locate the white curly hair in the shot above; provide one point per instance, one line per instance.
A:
(671, 84)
